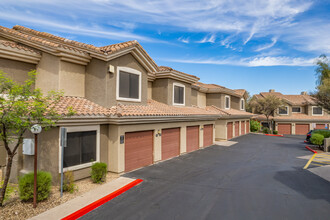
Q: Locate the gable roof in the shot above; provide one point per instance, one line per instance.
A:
(214, 88)
(230, 112)
(168, 72)
(290, 99)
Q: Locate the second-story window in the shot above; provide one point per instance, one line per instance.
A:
(317, 110)
(128, 84)
(242, 104)
(227, 102)
(178, 94)
(283, 110)
(296, 109)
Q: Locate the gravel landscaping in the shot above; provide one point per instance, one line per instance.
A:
(15, 209)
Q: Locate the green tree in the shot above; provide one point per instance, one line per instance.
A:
(266, 106)
(21, 106)
(322, 95)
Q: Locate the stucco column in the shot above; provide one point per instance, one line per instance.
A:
(157, 145)
(116, 155)
(201, 135)
(183, 139)
(293, 128)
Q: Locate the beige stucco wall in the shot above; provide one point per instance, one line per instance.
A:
(16, 70)
(193, 98)
(221, 128)
(149, 90)
(201, 99)
(48, 70)
(160, 89)
(235, 102)
(214, 99)
(117, 150)
(72, 79)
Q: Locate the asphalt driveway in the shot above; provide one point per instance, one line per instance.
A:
(260, 177)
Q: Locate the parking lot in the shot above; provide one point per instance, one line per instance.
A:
(260, 177)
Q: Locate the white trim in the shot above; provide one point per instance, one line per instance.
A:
(243, 104)
(227, 96)
(128, 70)
(287, 110)
(79, 129)
(317, 114)
(184, 94)
(296, 107)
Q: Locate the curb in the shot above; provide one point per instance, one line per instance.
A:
(276, 135)
(310, 149)
(94, 205)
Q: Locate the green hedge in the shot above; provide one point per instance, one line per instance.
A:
(255, 125)
(99, 172)
(26, 183)
(317, 139)
(324, 133)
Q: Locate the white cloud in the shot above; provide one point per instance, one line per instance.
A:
(267, 46)
(184, 40)
(207, 39)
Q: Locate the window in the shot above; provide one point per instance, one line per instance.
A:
(317, 110)
(178, 94)
(82, 147)
(128, 84)
(283, 110)
(227, 102)
(296, 109)
(242, 104)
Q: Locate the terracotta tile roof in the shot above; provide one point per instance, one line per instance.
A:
(169, 69)
(230, 112)
(296, 116)
(292, 99)
(17, 46)
(214, 88)
(240, 92)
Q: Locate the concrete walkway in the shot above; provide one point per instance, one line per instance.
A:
(73, 205)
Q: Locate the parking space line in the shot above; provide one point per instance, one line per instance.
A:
(310, 160)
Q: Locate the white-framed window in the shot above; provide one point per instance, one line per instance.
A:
(316, 110)
(242, 104)
(83, 147)
(128, 84)
(284, 110)
(227, 102)
(178, 94)
(296, 109)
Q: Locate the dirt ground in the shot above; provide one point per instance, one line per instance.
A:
(15, 209)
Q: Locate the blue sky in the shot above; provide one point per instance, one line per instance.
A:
(256, 45)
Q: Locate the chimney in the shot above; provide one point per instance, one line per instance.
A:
(304, 93)
(272, 90)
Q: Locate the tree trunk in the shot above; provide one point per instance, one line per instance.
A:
(5, 183)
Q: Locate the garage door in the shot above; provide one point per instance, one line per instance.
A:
(170, 143)
(208, 135)
(192, 138)
(229, 130)
(302, 129)
(138, 149)
(284, 128)
(236, 128)
(242, 127)
(320, 126)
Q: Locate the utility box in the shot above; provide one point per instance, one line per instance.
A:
(327, 144)
(28, 146)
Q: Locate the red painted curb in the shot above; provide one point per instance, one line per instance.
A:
(101, 201)
(305, 141)
(276, 135)
(310, 149)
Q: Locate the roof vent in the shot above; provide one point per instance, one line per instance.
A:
(272, 90)
(304, 93)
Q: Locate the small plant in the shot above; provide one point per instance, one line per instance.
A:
(317, 139)
(275, 132)
(68, 182)
(9, 190)
(255, 125)
(265, 130)
(44, 180)
(99, 172)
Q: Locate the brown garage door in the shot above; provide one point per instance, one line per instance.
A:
(302, 129)
(138, 149)
(208, 135)
(284, 128)
(192, 138)
(320, 126)
(229, 130)
(236, 128)
(170, 143)
(242, 127)
(248, 127)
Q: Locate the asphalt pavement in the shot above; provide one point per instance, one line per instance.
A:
(260, 177)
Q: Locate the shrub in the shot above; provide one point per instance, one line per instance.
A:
(99, 172)
(275, 132)
(255, 126)
(68, 182)
(266, 130)
(44, 180)
(317, 139)
(9, 190)
(324, 133)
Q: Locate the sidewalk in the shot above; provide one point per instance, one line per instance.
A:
(80, 202)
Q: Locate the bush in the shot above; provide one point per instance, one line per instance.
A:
(9, 190)
(275, 132)
(44, 180)
(68, 182)
(265, 130)
(255, 126)
(99, 172)
(317, 139)
(324, 133)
